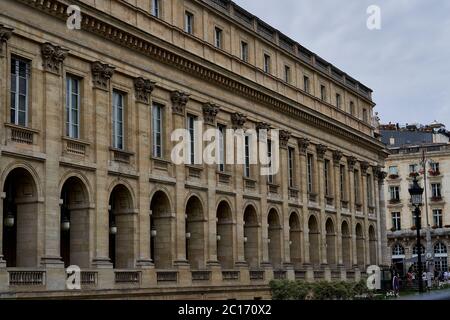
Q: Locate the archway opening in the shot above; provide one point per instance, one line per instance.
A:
(346, 245)
(331, 242)
(314, 241)
(274, 239)
(161, 231)
(20, 220)
(225, 235)
(74, 234)
(251, 231)
(195, 234)
(295, 236)
(372, 245)
(359, 246)
(122, 228)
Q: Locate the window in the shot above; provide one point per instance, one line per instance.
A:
(244, 51)
(394, 193)
(369, 190)
(192, 134)
(393, 170)
(436, 190)
(218, 38)
(269, 156)
(416, 250)
(437, 218)
(338, 101)
(291, 166)
(356, 185)
(440, 257)
(326, 169)
(117, 121)
(20, 76)
(157, 127)
(396, 221)
(156, 8)
(306, 85)
(247, 157)
(221, 147)
(189, 22)
(434, 166)
(266, 63)
(352, 108)
(365, 116)
(342, 181)
(413, 168)
(323, 93)
(398, 250)
(440, 249)
(310, 173)
(287, 74)
(414, 219)
(72, 107)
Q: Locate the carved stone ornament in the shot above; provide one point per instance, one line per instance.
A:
(179, 101)
(284, 138)
(210, 112)
(364, 167)
(52, 57)
(101, 74)
(143, 89)
(238, 120)
(351, 162)
(321, 150)
(5, 35)
(337, 156)
(303, 144)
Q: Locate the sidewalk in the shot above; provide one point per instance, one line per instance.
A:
(433, 295)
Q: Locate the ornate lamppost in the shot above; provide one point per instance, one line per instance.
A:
(416, 200)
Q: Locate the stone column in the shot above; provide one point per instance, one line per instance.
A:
(5, 35)
(383, 252)
(101, 75)
(303, 144)
(364, 194)
(351, 161)
(179, 101)
(321, 150)
(337, 156)
(2, 218)
(143, 89)
(284, 174)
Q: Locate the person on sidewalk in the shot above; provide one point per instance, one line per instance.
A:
(396, 284)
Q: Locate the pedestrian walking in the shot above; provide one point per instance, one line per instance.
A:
(396, 284)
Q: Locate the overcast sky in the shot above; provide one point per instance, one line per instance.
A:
(406, 63)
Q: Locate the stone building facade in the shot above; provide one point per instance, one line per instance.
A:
(85, 168)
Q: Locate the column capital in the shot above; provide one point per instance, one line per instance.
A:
(143, 89)
(303, 144)
(52, 57)
(364, 167)
(379, 174)
(5, 35)
(101, 73)
(284, 138)
(351, 162)
(210, 111)
(179, 101)
(337, 156)
(262, 126)
(321, 150)
(238, 120)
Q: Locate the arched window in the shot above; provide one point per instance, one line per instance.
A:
(415, 250)
(440, 248)
(398, 250)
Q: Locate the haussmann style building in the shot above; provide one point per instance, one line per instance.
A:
(87, 109)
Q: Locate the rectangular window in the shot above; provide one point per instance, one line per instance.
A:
(396, 221)
(188, 22)
(156, 8)
(342, 182)
(157, 127)
(117, 120)
(191, 130)
(266, 63)
(413, 168)
(310, 173)
(291, 166)
(394, 193)
(352, 108)
(414, 219)
(20, 77)
(369, 190)
(306, 85)
(72, 107)
(437, 218)
(365, 116)
(221, 147)
(356, 185)
(326, 168)
(323, 93)
(244, 51)
(393, 170)
(287, 74)
(436, 190)
(269, 155)
(218, 38)
(247, 157)
(338, 100)
(434, 166)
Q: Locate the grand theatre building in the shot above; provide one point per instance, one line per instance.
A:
(87, 110)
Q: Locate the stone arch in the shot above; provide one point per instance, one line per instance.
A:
(346, 244)
(274, 238)
(161, 226)
(251, 236)
(122, 218)
(331, 242)
(30, 169)
(314, 240)
(88, 191)
(75, 218)
(372, 245)
(225, 226)
(20, 213)
(295, 239)
(195, 232)
(359, 245)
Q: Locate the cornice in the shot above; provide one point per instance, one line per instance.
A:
(121, 37)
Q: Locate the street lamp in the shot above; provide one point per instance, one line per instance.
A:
(416, 200)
